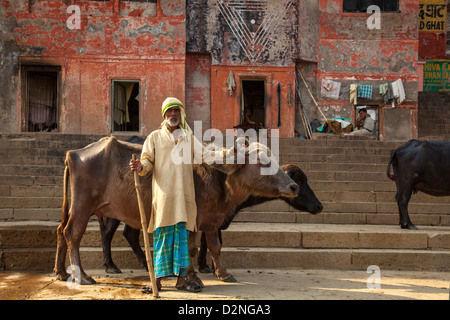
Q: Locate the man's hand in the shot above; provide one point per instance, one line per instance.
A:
(135, 165)
(360, 121)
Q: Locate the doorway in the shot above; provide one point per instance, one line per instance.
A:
(253, 102)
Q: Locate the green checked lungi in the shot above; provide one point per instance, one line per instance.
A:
(170, 250)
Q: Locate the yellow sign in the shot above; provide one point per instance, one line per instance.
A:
(432, 15)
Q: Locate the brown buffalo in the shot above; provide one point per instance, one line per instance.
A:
(101, 184)
(306, 200)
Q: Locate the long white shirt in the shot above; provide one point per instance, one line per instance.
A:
(173, 191)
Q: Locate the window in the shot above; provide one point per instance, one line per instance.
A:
(151, 1)
(372, 110)
(40, 89)
(125, 105)
(362, 5)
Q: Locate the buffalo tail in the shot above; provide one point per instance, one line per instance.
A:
(65, 206)
(388, 173)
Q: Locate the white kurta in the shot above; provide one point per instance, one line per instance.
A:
(173, 191)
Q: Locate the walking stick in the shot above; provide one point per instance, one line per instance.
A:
(148, 256)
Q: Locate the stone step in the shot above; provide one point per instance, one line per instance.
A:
(54, 148)
(263, 245)
(39, 152)
(56, 191)
(252, 234)
(333, 158)
(31, 170)
(357, 218)
(29, 159)
(251, 257)
(344, 141)
(336, 258)
(430, 213)
(350, 150)
(307, 166)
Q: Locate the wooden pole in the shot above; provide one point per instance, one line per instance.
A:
(315, 102)
(148, 256)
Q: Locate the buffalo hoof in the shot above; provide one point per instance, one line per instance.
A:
(197, 283)
(112, 269)
(409, 226)
(230, 279)
(62, 276)
(205, 269)
(87, 280)
(192, 277)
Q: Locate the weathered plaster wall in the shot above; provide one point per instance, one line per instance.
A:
(9, 67)
(254, 40)
(350, 52)
(116, 40)
(161, 43)
(239, 33)
(198, 89)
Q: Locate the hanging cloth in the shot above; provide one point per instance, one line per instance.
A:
(279, 104)
(365, 91)
(231, 84)
(353, 93)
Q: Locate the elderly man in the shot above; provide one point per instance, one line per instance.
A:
(174, 210)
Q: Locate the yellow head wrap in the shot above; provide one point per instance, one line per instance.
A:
(172, 102)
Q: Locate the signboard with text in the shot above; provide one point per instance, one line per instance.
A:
(432, 15)
(436, 75)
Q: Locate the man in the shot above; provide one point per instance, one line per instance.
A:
(174, 210)
(364, 124)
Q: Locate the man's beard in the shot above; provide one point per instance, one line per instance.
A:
(173, 122)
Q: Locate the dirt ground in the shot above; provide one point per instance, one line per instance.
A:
(264, 284)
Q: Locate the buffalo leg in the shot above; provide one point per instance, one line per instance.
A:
(61, 250)
(404, 191)
(132, 236)
(107, 231)
(191, 275)
(202, 265)
(73, 232)
(214, 248)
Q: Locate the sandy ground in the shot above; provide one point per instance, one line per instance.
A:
(266, 284)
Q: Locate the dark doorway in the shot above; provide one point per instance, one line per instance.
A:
(253, 102)
(41, 99)
(125, 105)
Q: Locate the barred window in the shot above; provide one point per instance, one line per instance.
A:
(362, 5)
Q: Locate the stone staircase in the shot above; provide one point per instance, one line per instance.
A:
(358, 227)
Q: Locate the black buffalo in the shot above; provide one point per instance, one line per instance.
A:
(419, 166)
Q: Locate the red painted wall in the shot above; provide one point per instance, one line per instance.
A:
(116, 40)
(225, 109)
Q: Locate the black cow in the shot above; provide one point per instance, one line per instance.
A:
(419, 166)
